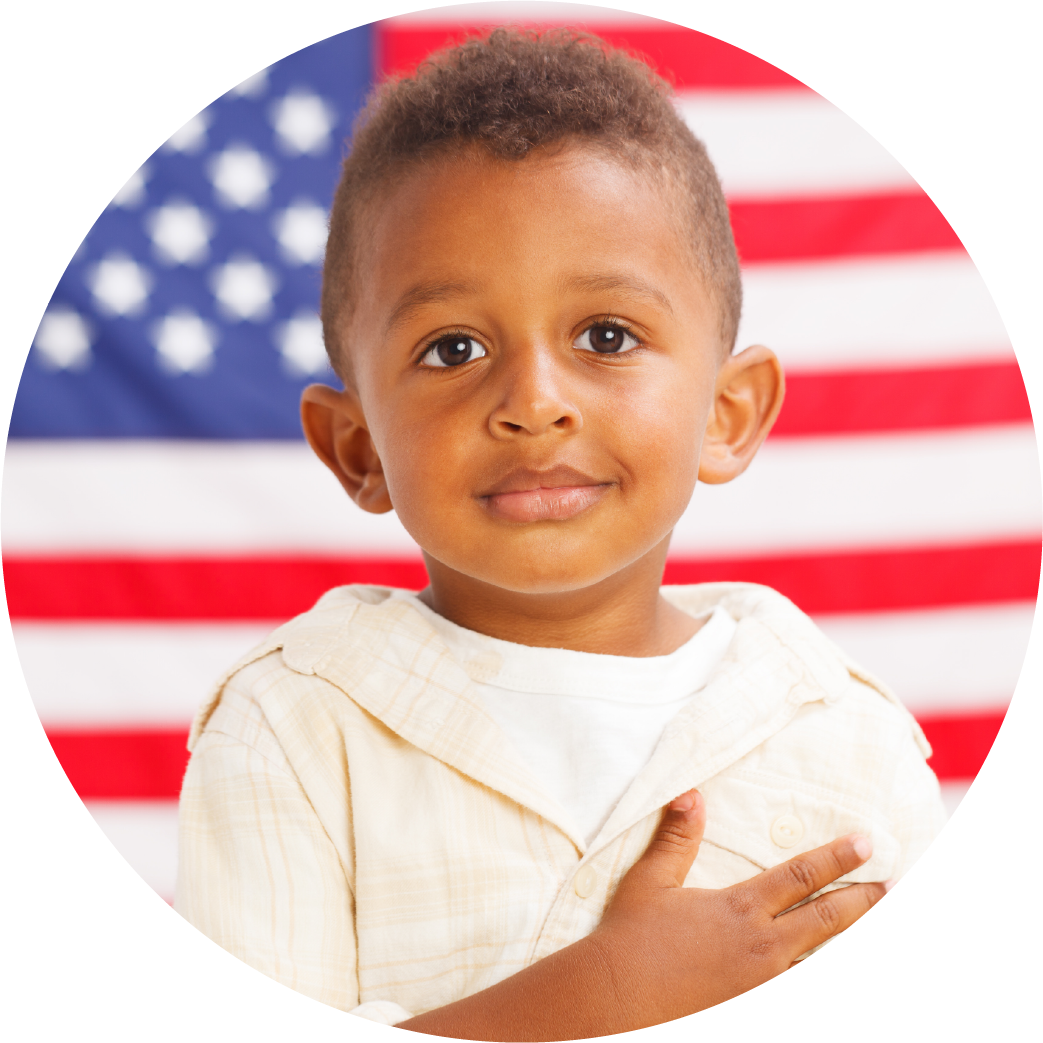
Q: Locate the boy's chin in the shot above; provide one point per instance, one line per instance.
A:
(540, 574)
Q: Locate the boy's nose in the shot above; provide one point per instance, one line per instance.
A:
(535, 400)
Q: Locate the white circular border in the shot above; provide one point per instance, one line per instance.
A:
(953, 91)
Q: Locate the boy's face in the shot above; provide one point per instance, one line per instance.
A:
(534, 365)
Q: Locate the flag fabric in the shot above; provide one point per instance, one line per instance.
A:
(161, 508)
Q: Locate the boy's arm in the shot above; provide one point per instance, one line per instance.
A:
(662, 950)
(257, 872)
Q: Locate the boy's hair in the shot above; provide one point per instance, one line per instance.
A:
(508, 94)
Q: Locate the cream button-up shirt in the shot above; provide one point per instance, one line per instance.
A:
(355, 825)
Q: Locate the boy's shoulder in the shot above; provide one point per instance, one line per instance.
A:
(771, 617)
(302, 642)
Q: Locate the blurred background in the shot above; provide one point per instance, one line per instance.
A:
(161, 512)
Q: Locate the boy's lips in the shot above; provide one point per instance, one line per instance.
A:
(553, 495)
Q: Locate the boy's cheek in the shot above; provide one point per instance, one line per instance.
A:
(435, 461)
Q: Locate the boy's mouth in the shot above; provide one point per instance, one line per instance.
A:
(557, 494)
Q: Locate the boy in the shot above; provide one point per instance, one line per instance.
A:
(446, 810)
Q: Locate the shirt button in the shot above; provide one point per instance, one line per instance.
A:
(787, 830)
(585, 882)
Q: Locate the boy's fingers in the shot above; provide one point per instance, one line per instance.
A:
(800, 877)
(672, 850)
(817, 921)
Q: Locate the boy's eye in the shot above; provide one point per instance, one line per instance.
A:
(452, 351)
(606, 339)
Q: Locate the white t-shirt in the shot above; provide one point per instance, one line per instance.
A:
(585, 724)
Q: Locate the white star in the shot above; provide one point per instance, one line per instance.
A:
(241, 177)
(132, 194)
(120, 285)
(252, 86)
(303, 122)
(301, 231)
(191, 137)
(180, 233)
(184, 342)
(63, 339)
(301, 345)
(244, 288)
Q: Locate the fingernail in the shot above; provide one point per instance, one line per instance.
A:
(683, 803)
(862, 847)
(888, 884)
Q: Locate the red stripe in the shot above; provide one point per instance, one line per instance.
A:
(819, 227)
(873, 581)
(961, 743)
(140, 764)
(189, 588)
(98, 588)
(686, 58)
(859, 401)
(128, 764)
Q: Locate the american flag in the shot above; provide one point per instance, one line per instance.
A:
(158, 411)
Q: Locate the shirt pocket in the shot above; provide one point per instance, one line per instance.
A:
(768, 820)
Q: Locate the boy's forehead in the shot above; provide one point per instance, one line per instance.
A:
(448, 228)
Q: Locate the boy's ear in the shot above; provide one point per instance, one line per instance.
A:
(336, 430)
(747, 399)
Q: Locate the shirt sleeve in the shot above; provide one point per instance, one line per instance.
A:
(916, 813)
(257, 872)
(384, 1012)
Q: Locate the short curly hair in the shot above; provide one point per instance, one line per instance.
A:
(512, 92)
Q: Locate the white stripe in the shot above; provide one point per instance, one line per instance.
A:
(890, 312)
(806, 494)
(819, 494)
(144, 832)
(948, 660)
(788, 143)
(88, 674)
(953, 792)
(201, 497)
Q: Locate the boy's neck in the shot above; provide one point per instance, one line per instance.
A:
(622, 615)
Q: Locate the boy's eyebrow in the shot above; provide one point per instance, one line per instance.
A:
(626, 284)
(418, 296)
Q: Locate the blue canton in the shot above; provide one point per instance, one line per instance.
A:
(190, 310)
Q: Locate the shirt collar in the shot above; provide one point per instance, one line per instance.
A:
(383, 654)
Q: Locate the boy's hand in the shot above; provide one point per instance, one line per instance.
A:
(673, 950)
(663, 950)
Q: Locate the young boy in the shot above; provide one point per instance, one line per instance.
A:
(446, 810)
